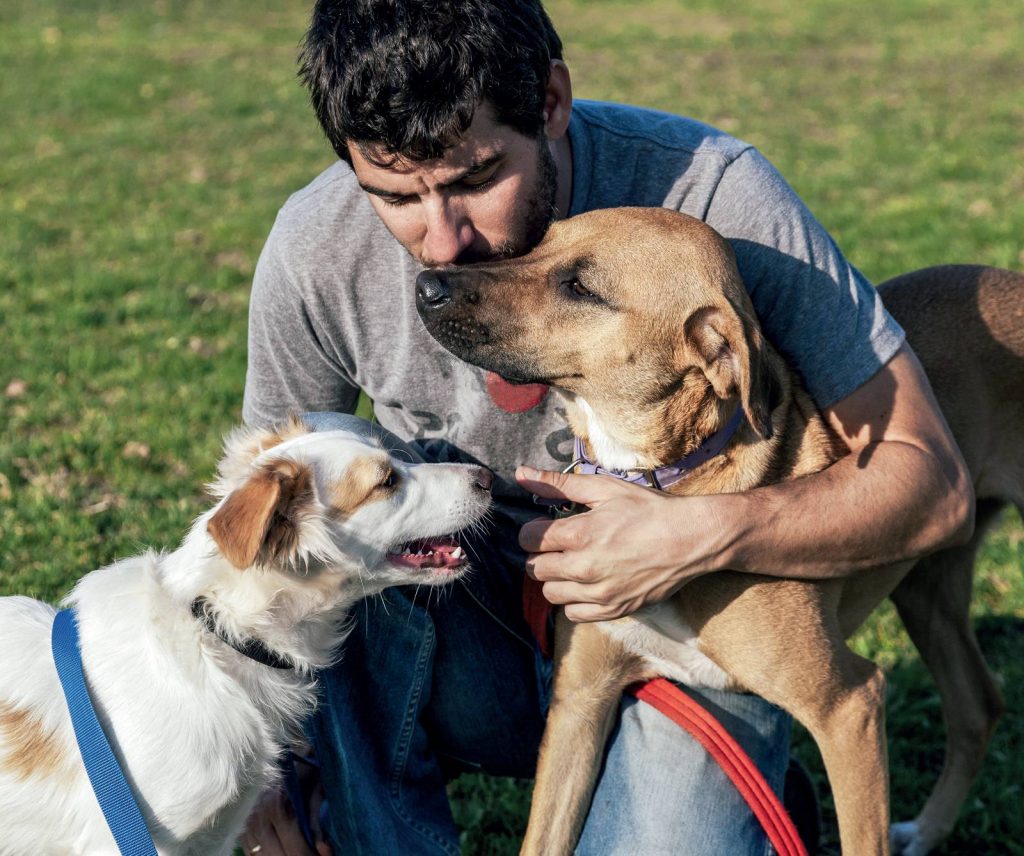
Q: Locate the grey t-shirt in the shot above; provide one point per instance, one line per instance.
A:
(333, 310)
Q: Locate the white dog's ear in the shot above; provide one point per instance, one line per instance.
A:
(260, 520)
(243, 445)
(730, 350)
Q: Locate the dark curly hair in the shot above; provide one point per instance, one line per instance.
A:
(408, 75)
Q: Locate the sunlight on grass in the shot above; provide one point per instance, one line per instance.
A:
(147, 148)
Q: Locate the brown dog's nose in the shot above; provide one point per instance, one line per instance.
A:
(432, 290)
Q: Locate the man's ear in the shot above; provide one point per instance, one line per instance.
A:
(261, 518)
(732, 355)
(557, 100)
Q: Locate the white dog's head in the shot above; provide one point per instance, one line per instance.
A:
(299, 500)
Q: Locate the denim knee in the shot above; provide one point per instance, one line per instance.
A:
(661, 792)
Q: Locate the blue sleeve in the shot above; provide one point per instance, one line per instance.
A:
(819, 311)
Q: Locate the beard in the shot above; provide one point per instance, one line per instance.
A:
(534, 214)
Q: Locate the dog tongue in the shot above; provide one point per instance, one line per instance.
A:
(430, 553)
(512, 397)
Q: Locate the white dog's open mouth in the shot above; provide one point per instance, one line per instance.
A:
(442, 553)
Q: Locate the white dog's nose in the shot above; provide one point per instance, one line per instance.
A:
(483, 478)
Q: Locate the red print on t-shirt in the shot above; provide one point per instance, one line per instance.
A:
(515, 398)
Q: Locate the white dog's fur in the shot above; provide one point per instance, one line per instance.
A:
(309, 521)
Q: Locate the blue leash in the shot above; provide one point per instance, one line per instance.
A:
(108, 783)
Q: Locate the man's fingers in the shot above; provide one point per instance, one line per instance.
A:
(542, 535)
(587, 490)
(292, 840)
(265, 842)
(272, 829)
(259, 835)
(579, 613)
(563, 592)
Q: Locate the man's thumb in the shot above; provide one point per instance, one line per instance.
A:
(554, 485)
(547, 483)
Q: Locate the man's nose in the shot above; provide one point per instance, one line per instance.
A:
(448, 234)
(432, 290)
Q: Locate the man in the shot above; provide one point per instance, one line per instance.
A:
(459, 141)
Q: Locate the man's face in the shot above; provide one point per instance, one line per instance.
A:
(490, 196)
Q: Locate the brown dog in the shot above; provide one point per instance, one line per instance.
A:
(782, 639)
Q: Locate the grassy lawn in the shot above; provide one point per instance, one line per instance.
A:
(147, 147)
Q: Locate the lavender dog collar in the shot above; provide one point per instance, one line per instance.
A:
(664, 477)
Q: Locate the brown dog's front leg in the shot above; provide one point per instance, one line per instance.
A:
(591, 670)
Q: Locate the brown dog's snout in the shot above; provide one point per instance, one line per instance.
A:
(433, 290)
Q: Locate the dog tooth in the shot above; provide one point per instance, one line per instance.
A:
(457, 553)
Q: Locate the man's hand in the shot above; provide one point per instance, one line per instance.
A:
(272, 830)
(624, 553)
(903, 491)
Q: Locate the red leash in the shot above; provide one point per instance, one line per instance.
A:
(667, 698)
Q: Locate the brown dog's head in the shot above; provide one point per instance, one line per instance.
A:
(638, 311)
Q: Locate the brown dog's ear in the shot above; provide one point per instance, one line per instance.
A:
(261, 518)
(731, 353)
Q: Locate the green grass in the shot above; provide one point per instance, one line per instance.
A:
(147, 147)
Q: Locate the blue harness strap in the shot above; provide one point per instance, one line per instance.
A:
(108, 782)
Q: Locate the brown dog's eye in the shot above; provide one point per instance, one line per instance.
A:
(390, 481)
(577, 287)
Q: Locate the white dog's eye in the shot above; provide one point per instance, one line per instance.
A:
(390, 481)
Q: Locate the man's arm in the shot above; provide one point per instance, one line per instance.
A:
(902, 492)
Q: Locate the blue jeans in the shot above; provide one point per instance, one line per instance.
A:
(435, 682)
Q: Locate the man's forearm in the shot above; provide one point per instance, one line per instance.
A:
(888, 502)
(903, 491)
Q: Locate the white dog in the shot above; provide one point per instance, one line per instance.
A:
(307, 523)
